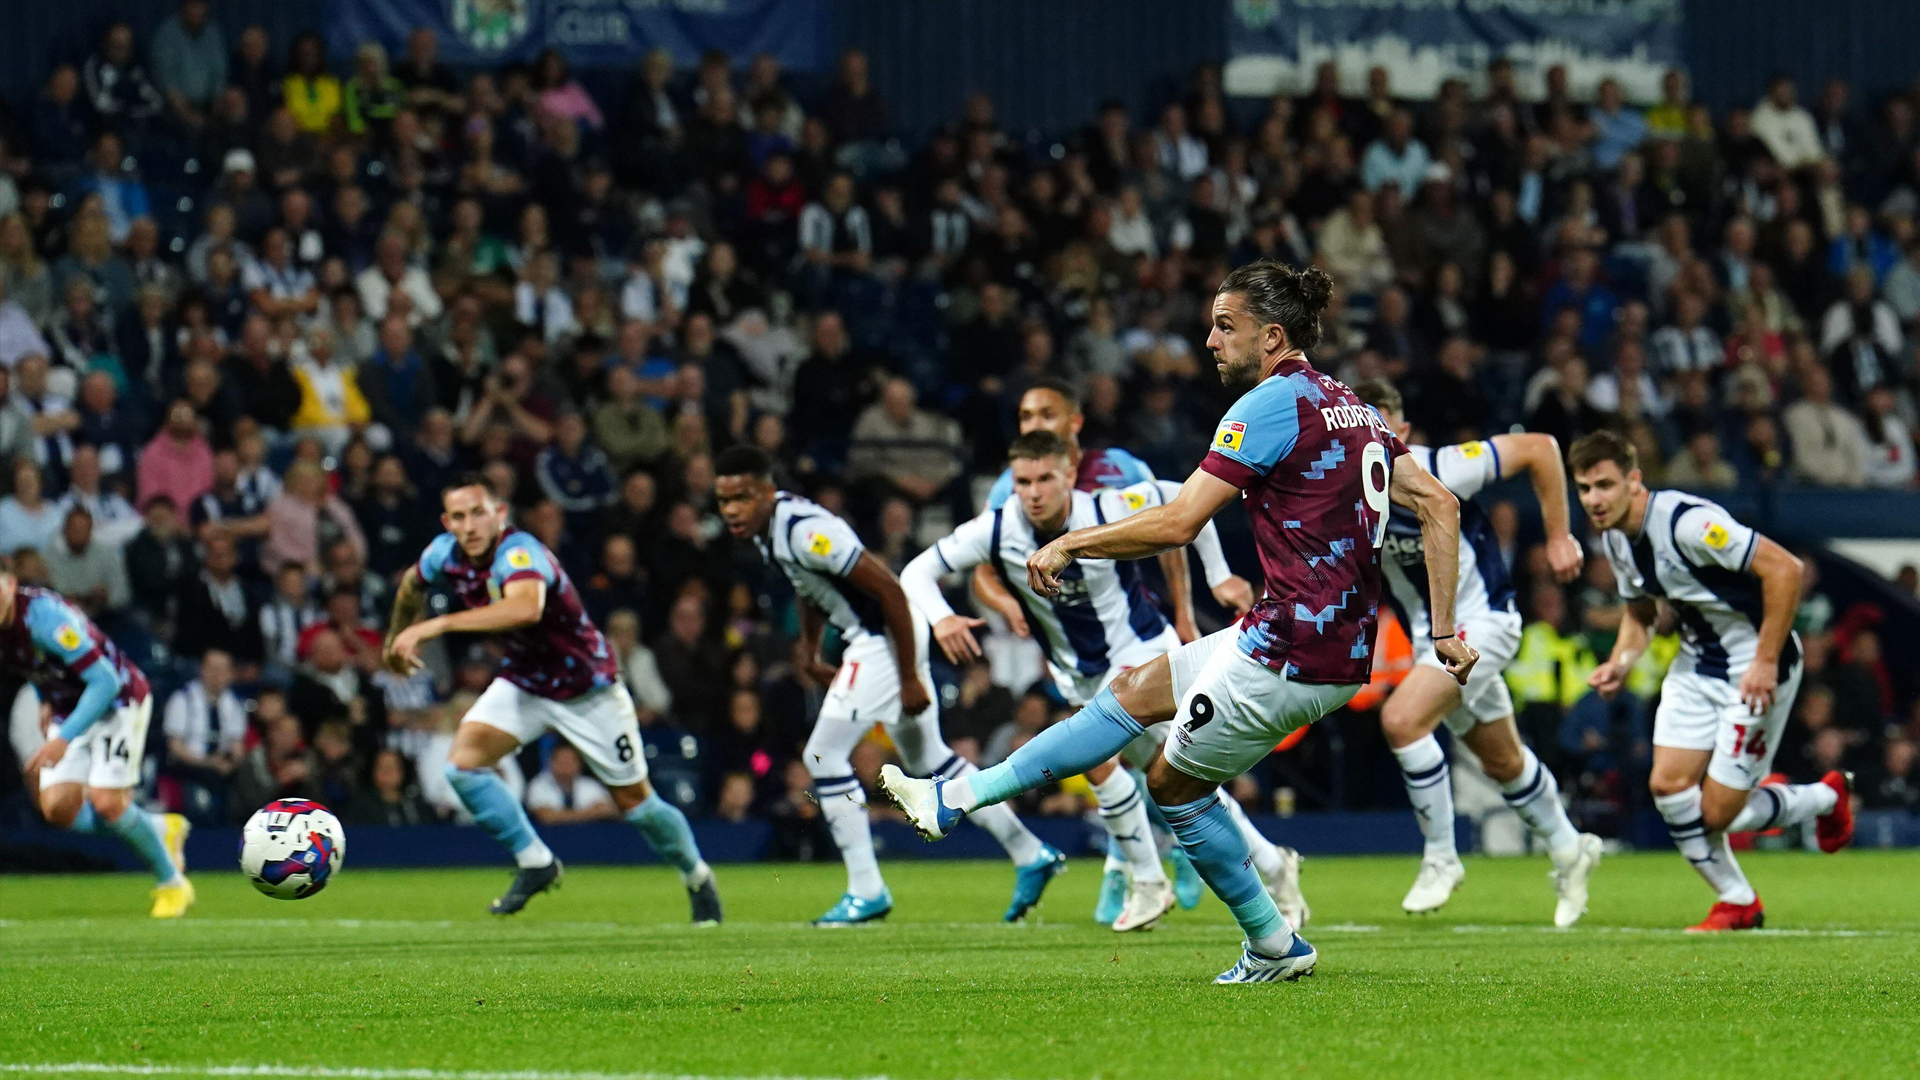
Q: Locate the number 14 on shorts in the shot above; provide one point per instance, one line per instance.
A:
(1749, 740)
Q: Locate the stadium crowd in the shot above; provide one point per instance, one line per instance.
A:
(258, 306)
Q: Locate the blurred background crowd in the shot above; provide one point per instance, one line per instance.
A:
(258, 305)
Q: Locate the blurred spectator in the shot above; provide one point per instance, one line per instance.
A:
(1700, 467)
(216, 611)
(86, 571)
(279, 765)
(122, 96)
(390, 796)
(912, 451)
(639, 668)
(1829, 443)
(160, 561)
(27, 518)
(190, 61)
(690, 665)
(1787, 129)
(206, 727)
(305, 518)
(313, 96)
(563, 795)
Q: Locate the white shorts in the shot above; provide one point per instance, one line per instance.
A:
(601, 725)
(1233, 709)
(108, 754)
(866, 691)
(1484, 699)
(1699, 713)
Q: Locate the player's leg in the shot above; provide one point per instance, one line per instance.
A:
(1408, 719)
(1228, 719)
(1827, 803)
(1532, 792)
(503, 718)
(1139, 757)
(114, 748)
(602, 726)
(1143, 893)
(846, 715)
(1278, 866)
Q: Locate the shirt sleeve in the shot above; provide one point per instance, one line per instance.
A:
(1256, 433)
(1125, 502)
(434, 559)
(1001, 491)
(826, 545)
(61, 632)
(521, 557)
(1624, 572)
(1467, 467)
(1708, 535)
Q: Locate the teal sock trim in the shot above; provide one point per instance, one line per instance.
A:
(142, 833)
(666, 828)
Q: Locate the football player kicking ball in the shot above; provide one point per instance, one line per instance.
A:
(1052, 405)
(1479, 714)
(1728, 694)
(1102, 622)
(558, 675)
(100, 704)
(884, 678)
(1318, 470)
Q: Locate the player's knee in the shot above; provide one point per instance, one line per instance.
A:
(1718, 814)
(109, 803)
(60, 808)
(1168, 786)
(1145, 693)
(1662, 786)
(1502, 764)
(1402, 723)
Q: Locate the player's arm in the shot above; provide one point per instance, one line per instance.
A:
(1636, 630)
(409, 603)
(813, 627)
(102, 687)
(1173, 566)
(989, 591)
(1538, 455)
(920, 580)
(520, 604)
(1439, 512)
(1148, 532)
(1779, 572)
(872, 577)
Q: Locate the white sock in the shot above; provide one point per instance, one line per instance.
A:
(957, 794)
(1266, 857)
(1273, 944)
(1535, 796)
(1123, 809)
(698, 876)
(1708, 852)
(1774, 805)
(1423, 767)
(534, 855)
(846, 813)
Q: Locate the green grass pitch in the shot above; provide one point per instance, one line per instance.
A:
(390, 972)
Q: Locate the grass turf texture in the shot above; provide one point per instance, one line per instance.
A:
(396, 970)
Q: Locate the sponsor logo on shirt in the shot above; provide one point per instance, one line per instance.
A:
(520, 559)
(1135, 500)
(1716, 536)
(1472, 450)
(821, 544)
(1231, 436)
(67, 637)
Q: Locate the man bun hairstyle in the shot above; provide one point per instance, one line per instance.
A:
(1277, 293)
(744, 460)
(1382, 395)
(1033, 445)
(1601, 446)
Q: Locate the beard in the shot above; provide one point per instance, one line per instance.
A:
(1240, 374)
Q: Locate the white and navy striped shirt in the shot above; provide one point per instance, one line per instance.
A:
(1103, 609)
(816, 550)
(1693, 554)
(1484, 586)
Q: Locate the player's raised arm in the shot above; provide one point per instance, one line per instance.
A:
(409, 603)
(1538, 455)
(920, 580)
(872, 577)
(1439, 513)
(1229, 589)
(1148, 532)
(520, 604)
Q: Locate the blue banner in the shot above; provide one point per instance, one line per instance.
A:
(1277, 45)
(590, 33)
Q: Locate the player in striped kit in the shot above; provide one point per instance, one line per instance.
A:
(1053, 405)
(1479, 714)
(1727, 697)
(1316, 470)
(883, 678)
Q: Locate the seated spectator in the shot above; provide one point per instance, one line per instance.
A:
(122, 96)
(396, 382)
(19, 336)
(27, 518)
(122, 196)
(278, 284)
(304, 517)
(912, 451)
(540, 303)
(372, 97)
(1894, 782)
(392, 272)
(1396, 157)
(206, 729)
(1829, 443)
(1861, 340)
(734, 803)
(178, 464)
(639, 668)
(190, 61)
(1700, 467)
(563, 795)
(1352, 248)
(61, 120)
(332, 409)
(327, 687)
(90, 573)
(1786, 129)
(260, 379)
(285, 617)
(114, 520)
(1030, 717)
(1861, 247)
(217, 613)
(391, 797)
(279, 766)
(560, 95)
(1890, 449)
(691, 665)
(313, 96)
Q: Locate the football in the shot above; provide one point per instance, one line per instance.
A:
(291, 848)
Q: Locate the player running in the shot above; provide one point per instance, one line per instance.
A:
(99, 704)
(558, 675)
(1726, 699)
(1317, 469)
(839, 582)
(1053, 405)
(1479, 714)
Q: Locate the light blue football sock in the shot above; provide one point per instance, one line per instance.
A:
(139, 829)
(86, 821)
(666, 828)
(1068, 748)
(494, 809)
(1218, 851)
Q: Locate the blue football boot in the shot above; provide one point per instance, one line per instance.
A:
(852, 910)
(1031, 880)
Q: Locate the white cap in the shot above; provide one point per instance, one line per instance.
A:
(238, 159)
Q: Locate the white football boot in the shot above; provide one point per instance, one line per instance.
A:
(1438, 878)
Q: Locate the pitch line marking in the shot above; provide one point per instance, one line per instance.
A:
(320, 1072)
